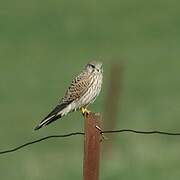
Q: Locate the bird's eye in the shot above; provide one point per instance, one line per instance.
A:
(92, 66)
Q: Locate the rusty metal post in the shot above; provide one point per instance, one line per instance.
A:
(92, 143)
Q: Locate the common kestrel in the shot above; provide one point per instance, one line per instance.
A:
(82, 91)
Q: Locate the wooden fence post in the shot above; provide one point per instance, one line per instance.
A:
(92, 142)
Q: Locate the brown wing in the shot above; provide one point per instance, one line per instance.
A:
(78, 87)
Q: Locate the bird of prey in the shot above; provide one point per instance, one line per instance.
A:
(82, 91)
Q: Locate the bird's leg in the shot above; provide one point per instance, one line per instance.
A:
(84, 110)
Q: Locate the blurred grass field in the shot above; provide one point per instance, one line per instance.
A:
(43, 44)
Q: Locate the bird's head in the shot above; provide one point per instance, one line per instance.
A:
(95, 66)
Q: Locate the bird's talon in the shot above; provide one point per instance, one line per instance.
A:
(85, 111)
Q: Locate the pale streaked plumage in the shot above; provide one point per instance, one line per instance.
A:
(83, 90)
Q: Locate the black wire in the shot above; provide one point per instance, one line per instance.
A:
(39, 140)
(141, 132)
(81, 133)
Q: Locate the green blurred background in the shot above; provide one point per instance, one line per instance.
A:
(44, 43)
